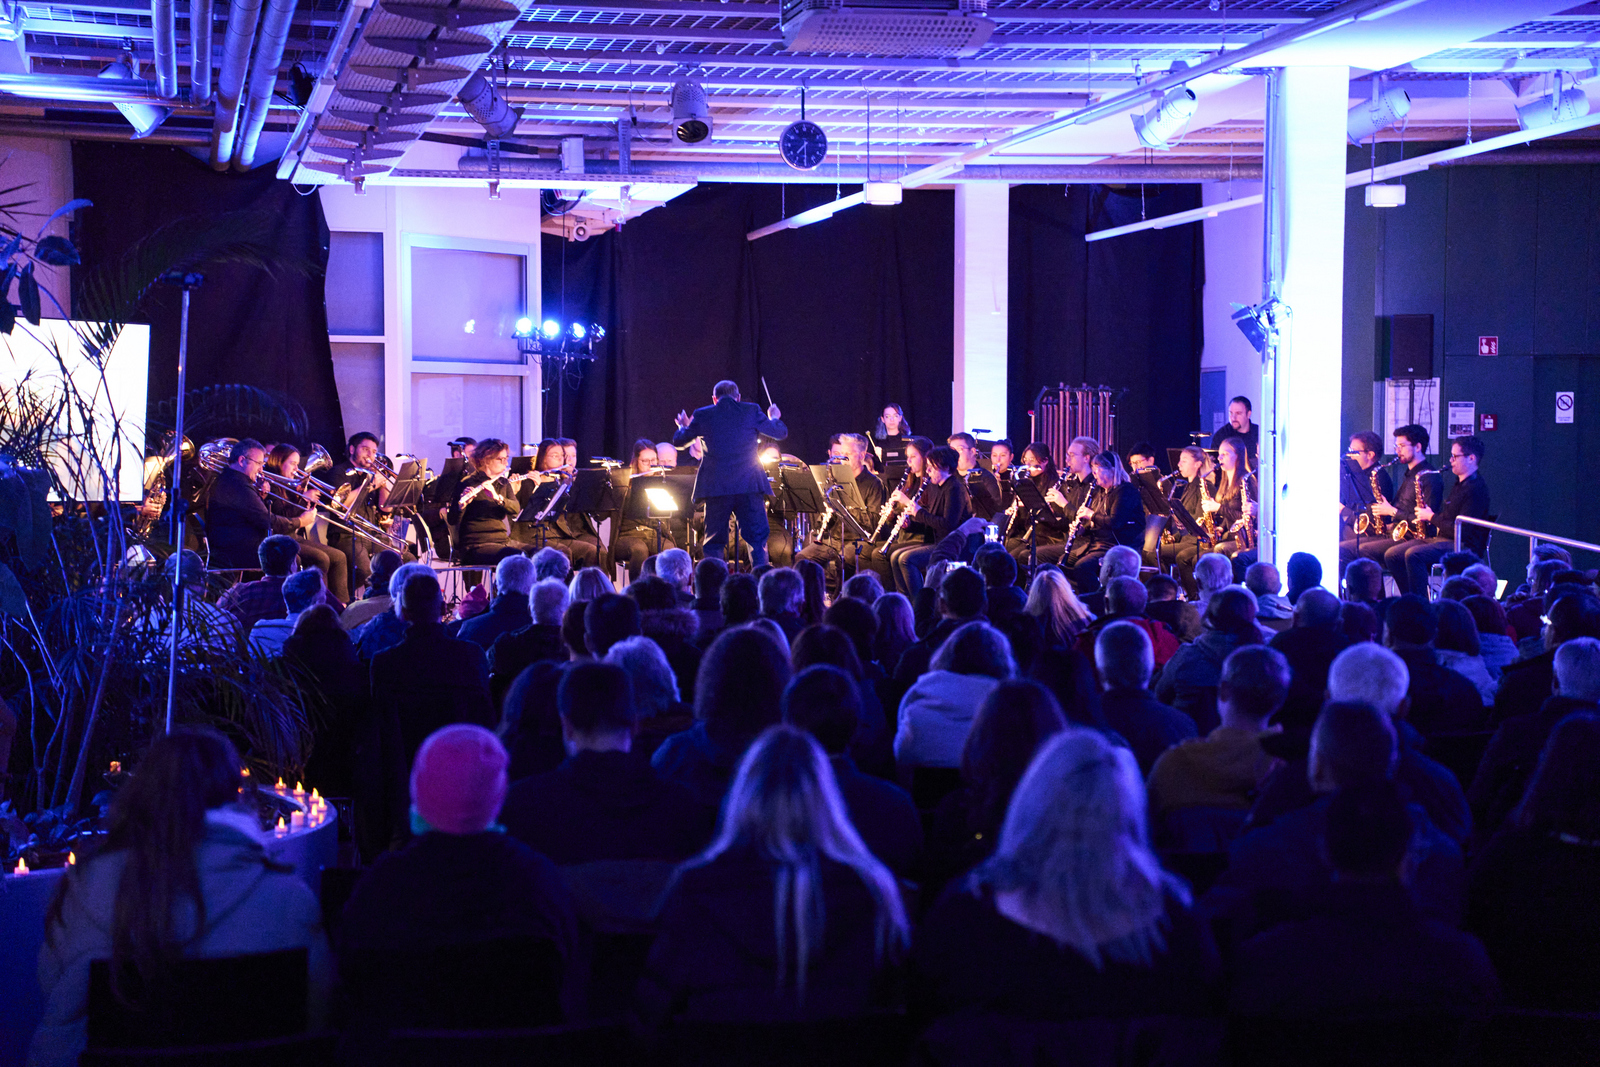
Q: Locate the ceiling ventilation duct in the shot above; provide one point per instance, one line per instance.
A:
(886, 27)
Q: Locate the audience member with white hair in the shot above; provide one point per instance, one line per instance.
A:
(539, 641)
(508, 611)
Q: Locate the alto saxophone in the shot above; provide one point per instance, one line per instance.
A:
(1208, 518)
(1243, 532)
(905, 514)
(1369, 523)
(1177, 485)
(1415, 529)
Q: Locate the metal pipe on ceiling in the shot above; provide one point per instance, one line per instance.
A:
(263, 79)
(164, 37)
(201, 27)
(74, 131)
(80, 87)
(242, 18)
(610, 171)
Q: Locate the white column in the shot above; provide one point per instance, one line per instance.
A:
(1304, 269)
(983, 219)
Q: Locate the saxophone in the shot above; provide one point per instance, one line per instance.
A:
(1243, 532)
(905, 513)
(1415, 529)
(887, 509)
(1369, 523)
(1208, 519)
(1077, 522)
(1177, 485)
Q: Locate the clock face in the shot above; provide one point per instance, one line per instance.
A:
(803, 145)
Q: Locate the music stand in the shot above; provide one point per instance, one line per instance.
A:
(797, 492)
(1034, 503)
(1186, 520)
(544, 501)
(653, 498)
(520, 465)
(407, 489)
(840, 497)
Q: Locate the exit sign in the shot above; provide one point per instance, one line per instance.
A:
(1488, 346)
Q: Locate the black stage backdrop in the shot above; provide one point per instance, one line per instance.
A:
(841, 317)
(1124, 312)
(246, 326)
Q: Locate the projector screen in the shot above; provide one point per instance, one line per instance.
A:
(117, 403)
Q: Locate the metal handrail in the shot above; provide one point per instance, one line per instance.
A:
(1534, 536)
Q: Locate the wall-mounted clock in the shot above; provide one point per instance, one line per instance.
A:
(803, 145)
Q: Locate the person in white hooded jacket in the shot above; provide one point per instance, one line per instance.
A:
(937, 711)
(182, 873)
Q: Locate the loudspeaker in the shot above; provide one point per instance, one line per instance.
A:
(1411, 347)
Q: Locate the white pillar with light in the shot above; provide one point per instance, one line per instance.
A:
(983, 218)
(1303, 293)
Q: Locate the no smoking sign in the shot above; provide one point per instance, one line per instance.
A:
(1564, 406)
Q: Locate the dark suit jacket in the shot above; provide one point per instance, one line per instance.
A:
(237, 520)
(730, 428)
(428, 681)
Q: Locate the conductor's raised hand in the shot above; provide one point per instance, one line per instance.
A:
(682, 419)
(773, 412)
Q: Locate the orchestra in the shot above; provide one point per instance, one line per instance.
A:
(923, 507)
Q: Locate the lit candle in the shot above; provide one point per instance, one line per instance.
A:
(280, 787)
(244, 772)
(22, 866)
(116, 767)
(316, 798)
(297, 820)
(282, 829)
(299, 790)
(72, 859)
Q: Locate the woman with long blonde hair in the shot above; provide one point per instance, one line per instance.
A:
(786, 915)
(1062, 616)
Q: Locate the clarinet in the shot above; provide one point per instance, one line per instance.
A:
(887, 509)
(905, 514)
(1072, 531)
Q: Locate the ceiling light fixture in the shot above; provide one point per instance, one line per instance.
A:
(691, 111)
(1385, 109)
(1158, 127)
(1557, 105)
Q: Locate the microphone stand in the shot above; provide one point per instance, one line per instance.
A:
(188, 281)
(1355, 488)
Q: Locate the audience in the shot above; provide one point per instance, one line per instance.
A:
(1061, 616)
(677, 570)
(999, 570)
(1309, 647)
(864, 586)
(509, 610)
(1457, 647)
(937, 711)
(181, 842)
(1264, 583)
(814, 577)
(299, 593)
(429, 680)
(873, 743)
(1124, 600)
(1359, 622)
(1494, 644)
(512, 653)
(605, 801)
(1363, 582)
(1180, 616)
(1365, 950)
(1531, 890)
(607, 619)
(709, 574)
(741, 600)
(1212, 572)
(385, 631)
(324, 659)
(737, 694)
(665, 618)
(962, 599)
(825, 701)
(1305, 572)
(1013, 721)
(787, 915)
(1442, 701)
(377, 600)
(1189, 680)
(860, 624)
(782, 594)
(1513, 753)
(589, 583)
(572, 639)
(551, 564)
(896, 630)
(1524, 685)
(279, 556)
(658, 705)
(1072, 917)
(1202, 789)
(459, 884)
(1124, 658)
(1120, 562)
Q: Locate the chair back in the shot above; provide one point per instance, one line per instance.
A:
(1134, 1041)
(207, 1001)
(513, 981)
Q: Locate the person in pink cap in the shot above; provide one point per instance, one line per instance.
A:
(460, 888)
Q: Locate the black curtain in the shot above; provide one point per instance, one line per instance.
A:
(841, 317)
(1125, 312)
(247, 326)
(849, 314)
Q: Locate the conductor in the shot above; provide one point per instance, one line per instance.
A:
(731, 480)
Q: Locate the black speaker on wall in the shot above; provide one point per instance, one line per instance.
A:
(1411, 346)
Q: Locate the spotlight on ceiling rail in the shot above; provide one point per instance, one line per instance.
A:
(1384, 110)
(143, 117)
(1157, 127)
(691, 111)
(1557, 105)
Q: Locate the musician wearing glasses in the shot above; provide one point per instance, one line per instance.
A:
(237, 518)
(484, 505)
(1420, 484)
(982, 487)
(838, 548)
(1111, 514)
(1365, 456)
(1181, 549)
(635, 541)
(935, 508)
(1408, 562)
(300, 507)
(1017, 526)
